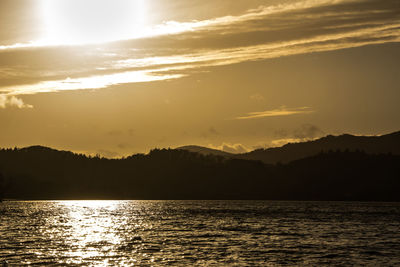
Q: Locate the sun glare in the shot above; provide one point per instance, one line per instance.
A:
(92, 21)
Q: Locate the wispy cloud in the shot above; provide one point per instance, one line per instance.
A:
(92, 82)
(303, 133)
(175, 27)
(283, 111)
(174, 49)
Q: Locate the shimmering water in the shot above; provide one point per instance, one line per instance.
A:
(188, 233)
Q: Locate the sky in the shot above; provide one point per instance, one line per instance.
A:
(120, 77)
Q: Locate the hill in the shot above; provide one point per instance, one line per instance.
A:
(389, 143)
(206, 151)
(43, 173)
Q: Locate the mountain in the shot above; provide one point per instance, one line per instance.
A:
(389, 143)
(44, 173)
(206, 151)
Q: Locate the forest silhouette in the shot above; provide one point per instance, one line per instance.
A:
(343, 174)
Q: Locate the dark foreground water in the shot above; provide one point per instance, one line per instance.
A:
(191, 233)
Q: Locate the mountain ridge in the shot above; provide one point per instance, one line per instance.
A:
(180, 174)
(382, 144)
(205, 150)
(388, 143)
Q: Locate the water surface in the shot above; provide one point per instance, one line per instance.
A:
(156, 233)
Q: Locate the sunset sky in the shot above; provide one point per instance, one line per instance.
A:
(117, 77)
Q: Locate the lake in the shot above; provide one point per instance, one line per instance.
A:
(187, 233)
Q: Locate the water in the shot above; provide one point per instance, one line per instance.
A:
(187, 233)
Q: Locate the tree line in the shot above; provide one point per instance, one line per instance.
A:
(44, 173)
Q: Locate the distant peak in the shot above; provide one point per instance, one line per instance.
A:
(204, 150)
(38, 148)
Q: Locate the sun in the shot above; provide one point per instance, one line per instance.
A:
(92, 21)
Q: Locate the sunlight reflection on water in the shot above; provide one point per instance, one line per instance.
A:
(199, 233)
(91, 229)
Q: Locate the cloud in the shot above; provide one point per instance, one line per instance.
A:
(123, 146)
(303, 133)
(210, 133)
(91, 82)
(12, 101)
(231, 148)
(213, 131)
(257, 97)
(114, 133)
(174, 27)
(307, 131)
(175, 49)
(283, 111)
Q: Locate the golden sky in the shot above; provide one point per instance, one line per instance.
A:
(117, 77)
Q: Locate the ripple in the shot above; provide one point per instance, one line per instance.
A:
(217, 233)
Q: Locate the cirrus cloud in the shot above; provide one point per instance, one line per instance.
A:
(174, 49)
(282, 111)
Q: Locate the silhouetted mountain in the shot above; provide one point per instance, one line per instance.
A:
(206, 151)
(42, 150)
(44, 173)
(370, 144)
(344, 176)
(389, 143)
